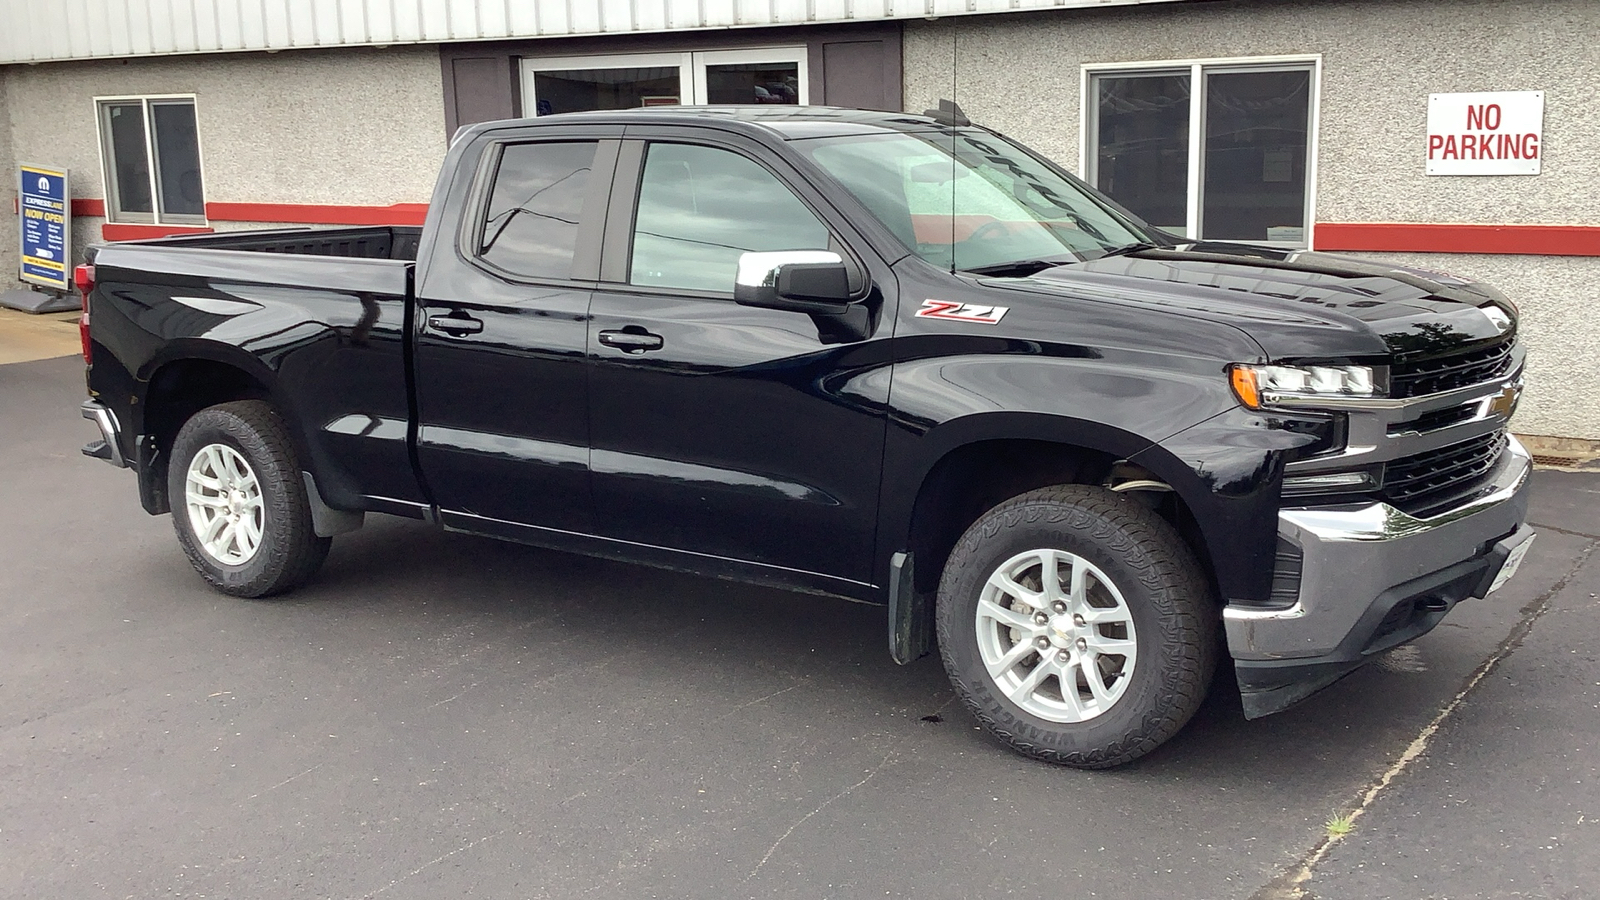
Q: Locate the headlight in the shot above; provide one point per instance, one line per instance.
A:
(1258, 386)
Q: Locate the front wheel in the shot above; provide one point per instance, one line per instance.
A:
(1077, 626)
(238, 502)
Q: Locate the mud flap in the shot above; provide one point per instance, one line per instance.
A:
(910, 613)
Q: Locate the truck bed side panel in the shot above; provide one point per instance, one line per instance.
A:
(325, 335)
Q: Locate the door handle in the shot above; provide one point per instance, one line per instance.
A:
(455, 326)
(632, 339)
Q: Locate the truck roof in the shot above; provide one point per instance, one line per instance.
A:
(786, 122)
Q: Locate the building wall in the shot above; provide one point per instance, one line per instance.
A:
(1021, 74)
(355, 126)
(9, 238)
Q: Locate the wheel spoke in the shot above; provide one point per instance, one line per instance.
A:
(247, 483)
(236, 475)
(1097, 684)
(223, 544)
(1010, 659)
(250, 535)
(206, 500)
(990, 609)
(1078, 595)
(1069, 686)
(1025, 688)
(1102, 615)
(1050, 574)
(1005, 584)
(214, 528)
(1114, 646)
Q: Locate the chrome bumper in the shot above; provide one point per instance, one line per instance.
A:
(1358, 564)
(108, 447)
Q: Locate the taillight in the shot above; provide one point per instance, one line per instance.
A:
(83, 277)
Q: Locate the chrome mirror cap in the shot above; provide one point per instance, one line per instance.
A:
(759, 269)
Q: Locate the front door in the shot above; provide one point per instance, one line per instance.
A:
(503, 411)
(753, 435)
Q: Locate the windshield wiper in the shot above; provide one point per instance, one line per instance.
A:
(1130, 249)
(1018, 268)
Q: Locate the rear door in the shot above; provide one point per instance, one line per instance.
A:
(748, 437)
(501, 381)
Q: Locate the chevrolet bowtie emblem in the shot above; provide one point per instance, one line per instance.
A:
(1503, 404)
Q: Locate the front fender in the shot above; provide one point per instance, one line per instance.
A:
(1180, 422)
(1091, 401)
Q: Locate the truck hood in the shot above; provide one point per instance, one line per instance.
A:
(1295, 304)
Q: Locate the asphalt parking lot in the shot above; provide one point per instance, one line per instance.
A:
(443, 716)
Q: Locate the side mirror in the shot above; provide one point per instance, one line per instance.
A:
(806, 281)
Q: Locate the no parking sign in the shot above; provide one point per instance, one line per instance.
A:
(45, 209)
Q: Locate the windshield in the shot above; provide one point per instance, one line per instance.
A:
(989, 205)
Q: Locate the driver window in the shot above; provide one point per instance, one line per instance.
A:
(701, 207)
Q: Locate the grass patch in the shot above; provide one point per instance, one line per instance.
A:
(1340, 825)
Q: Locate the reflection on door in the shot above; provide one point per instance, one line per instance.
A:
(775, 75)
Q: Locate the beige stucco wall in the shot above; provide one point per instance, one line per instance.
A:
(1022, 74)
(9, 237)
(361, 126)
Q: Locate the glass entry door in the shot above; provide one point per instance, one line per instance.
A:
(577, 83)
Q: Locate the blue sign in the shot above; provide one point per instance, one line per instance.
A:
(45, 208)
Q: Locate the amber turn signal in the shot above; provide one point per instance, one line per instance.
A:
(1245, 386)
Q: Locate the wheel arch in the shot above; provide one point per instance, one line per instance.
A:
(969, 465)
(191, 376)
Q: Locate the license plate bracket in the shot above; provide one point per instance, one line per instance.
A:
(1509, 567)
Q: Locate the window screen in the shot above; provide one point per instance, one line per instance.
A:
(700, 208)
(532, 223)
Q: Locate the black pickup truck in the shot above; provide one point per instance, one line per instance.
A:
(888, 357)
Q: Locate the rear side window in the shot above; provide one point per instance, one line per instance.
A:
(532, 224)
(700, 208)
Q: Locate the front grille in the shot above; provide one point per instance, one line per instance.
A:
(1447, 371)
(1440, 418)
(1428, 482)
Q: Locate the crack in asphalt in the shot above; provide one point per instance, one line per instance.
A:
(1566, 531)
(1291, 884)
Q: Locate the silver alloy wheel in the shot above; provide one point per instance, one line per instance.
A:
(1056, 636)
(226, 511)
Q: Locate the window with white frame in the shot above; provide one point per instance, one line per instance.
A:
(1211, 150)
(150, 151)
(770, 75)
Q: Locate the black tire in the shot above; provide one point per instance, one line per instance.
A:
(1174, 618)
(289, 551)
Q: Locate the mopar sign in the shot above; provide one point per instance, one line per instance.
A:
(46, 226)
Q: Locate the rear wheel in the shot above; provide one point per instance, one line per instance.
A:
(238, 502)
(1077, 626)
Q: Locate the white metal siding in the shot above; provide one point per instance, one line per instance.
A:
(42, 30)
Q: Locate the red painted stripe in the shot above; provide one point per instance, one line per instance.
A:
(1540, 240)
(85, 206)
(312, 214)
(112, 231)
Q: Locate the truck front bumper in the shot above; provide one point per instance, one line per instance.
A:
(1371, 578)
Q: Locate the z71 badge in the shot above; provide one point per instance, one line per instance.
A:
(961, 312)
